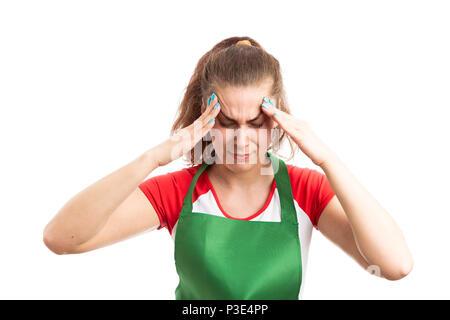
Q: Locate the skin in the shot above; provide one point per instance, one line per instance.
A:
(114, 208)
(241, 104)
(233, 179)
(353, 219)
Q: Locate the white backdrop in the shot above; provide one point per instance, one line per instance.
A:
(87, 86)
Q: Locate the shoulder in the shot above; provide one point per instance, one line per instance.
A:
(303, 180)
(174, 179)
(310, 189)
(166, 193)
(299, 175)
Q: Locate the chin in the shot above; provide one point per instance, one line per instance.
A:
(240, 165)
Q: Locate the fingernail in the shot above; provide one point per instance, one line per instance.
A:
(216, 106)
(265, 100)
(213, 96)
(264, 106)
(275, 114)
(271, 102)
(211, 120)
(209, 101)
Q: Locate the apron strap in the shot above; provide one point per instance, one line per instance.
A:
(187, 202)
(288, 212)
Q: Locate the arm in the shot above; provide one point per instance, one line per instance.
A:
(358, 224)
(113, 208)
(378, 239)
(113, 205)
(334, 225)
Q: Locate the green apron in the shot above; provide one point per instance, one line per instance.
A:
(223, 258)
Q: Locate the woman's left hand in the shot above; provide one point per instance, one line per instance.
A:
(300, 132)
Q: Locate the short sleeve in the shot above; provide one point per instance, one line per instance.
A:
(324, 194)
(166, 193)
(311, 190)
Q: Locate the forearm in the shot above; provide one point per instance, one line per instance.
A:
(85, 214)
(377, 236)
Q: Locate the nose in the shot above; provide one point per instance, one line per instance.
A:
(241, 140)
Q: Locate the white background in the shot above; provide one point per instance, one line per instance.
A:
(87, 86)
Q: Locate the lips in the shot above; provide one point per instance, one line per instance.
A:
(241, 157)
(241, 154)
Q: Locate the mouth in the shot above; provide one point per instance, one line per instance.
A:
(238, 156)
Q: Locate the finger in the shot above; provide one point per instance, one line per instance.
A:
(268, 106)
(205, 122)
(212, 108)
(209, 120)
(211, 102)
(200, 129)
(210, 116)
(279, 117)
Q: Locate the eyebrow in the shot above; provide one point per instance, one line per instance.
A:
(233, 120)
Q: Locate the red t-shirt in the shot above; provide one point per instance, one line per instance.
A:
(310, 189)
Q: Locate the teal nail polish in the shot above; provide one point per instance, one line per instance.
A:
(213, 96)
(265, 106)
(216, 106)
(271, 102)
(211, 120)
(275, 114)
(209, 101)
(265, 100)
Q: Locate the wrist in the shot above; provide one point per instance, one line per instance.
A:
(331, 160)
(150, 157)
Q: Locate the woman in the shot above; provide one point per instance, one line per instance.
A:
(240, 217)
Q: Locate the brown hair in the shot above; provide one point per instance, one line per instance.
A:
(235, 61)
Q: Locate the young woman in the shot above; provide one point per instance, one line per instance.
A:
(240, 217)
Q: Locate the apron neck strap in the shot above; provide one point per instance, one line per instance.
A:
(187, 202)
(288, 212)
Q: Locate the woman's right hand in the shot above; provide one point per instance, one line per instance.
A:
(186, 138)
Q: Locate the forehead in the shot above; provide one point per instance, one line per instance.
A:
(242, 103)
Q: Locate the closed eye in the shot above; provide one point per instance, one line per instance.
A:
(228, 125)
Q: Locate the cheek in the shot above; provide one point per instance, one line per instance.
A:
(264, 137)
(262, 134)
(218, 137)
